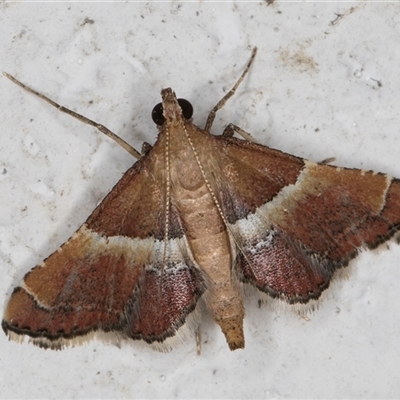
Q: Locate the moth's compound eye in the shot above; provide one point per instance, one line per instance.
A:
(187, 108)
(157, 114)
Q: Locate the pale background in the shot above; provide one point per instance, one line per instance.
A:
(313, 92)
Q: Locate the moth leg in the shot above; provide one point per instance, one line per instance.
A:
(328, 160)
(230, 130)
(221, 103)
(198, 341)
(146, 147)
(79, 117)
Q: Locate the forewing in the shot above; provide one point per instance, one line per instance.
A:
(295, 222)
(113, 274)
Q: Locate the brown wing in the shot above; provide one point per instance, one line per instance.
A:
(295, 222)
(111, 274)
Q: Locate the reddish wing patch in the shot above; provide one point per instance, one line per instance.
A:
(163, 300)
(280, 268)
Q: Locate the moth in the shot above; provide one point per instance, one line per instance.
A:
(192, 222)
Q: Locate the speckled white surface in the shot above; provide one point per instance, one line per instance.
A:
(313, 92)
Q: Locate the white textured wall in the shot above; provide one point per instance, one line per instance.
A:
(313, 92)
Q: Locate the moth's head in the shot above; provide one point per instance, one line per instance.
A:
(171, 109)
